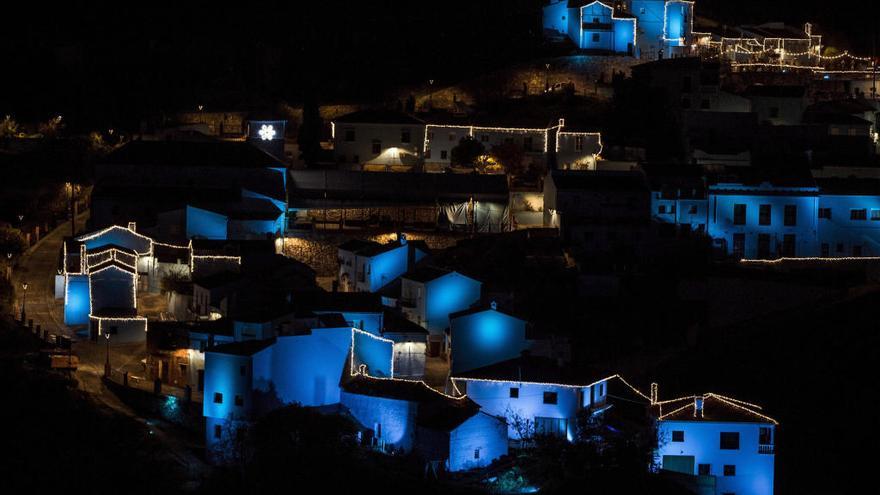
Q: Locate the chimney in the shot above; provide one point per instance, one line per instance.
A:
(132, 226)
(654, 393)
(698, 407)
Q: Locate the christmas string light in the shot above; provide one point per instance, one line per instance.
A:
(354, 331)
(826, 259)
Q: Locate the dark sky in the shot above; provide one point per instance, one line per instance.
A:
(103, 64)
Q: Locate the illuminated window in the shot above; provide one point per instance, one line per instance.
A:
(704, 469)
(729, 470)
(739, 214)
(550, 397)
(678, 436)
(218, 398)
(514, 392)
(729, 440)
(239, 400)
(861, 214)
(764, 215)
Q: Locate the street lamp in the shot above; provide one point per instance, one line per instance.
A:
(107, 333)
(24, 285)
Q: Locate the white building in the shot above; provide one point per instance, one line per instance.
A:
(728, 443)
(378, 140)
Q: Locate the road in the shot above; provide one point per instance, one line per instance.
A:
(38, 268)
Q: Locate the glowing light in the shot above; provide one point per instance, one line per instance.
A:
(267, 132)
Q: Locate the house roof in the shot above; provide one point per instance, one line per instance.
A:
(354, 302)
(481, 308)
(395, 322)
(376, 249)
(378, 116)
(532, 369)
(569, 180)
(426, 273)
(245, 348)
(849, 186)
(716, 408)
(111, 263)
(436, 411)
(225, 154)
(218, 279)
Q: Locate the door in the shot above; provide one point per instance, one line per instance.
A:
(679, 463)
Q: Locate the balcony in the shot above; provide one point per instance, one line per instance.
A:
(767, 449)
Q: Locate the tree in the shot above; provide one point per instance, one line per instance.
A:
(309, 136)
(523, 426)
(51, 127)
(467, 152)
(512, 158)
(11, 241)
(8, 127)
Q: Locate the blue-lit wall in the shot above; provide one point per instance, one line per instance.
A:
(691, 212)
(678, 22)
(840, 233)
(281, 222)
(721, 217)
(223, 375)
(303, 368)
(375, 353)
(484, 338)
(556, 16)
(122, 237)
(366, 321)
(112, 287)
(494, 398)
(204, 224)
(754, 471)
(392, 421)
(386, 267)
(481, 432)
(76, 300)
(448, 294)
(597, 20)
(650, 25)
(624, 35)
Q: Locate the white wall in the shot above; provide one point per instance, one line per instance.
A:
(480, 432)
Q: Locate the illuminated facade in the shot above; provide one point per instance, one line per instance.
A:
(728, 444)
(429, 295)
(369, 266)
(484, 336)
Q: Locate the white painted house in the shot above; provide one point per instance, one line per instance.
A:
(727, 443)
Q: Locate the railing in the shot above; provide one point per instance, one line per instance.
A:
(766, 449)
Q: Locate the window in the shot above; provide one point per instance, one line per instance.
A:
(763, 246)
(739, 214)
(825, 213)
(729, 470)
(514, 392)
(242, 370)
(704, 469)
(218, 431)
(218, 398)
(405, 136)
(765, 435)
(790, 216)
(764, 214)
(729, 440)
(826, 250)
(377, 146)
(858, 214)
(595, 37)
(527, 143)
(551, 426)
(875, 215)
(476, 453)
(692, 210)
(579, 143)
(642, 11)
(550, 398)
(444, 154)
(349, 135)
(678, 436)
(788, 245)
(239, 400)
(857, 250)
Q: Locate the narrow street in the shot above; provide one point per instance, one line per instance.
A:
(38, 268)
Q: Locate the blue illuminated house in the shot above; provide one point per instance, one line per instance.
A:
(429, 295)
(723, 442)
(758, 217)
(244, 380)
(849, 217)
(366, 266)
(408, 416)
(649, 29)
(534, 394)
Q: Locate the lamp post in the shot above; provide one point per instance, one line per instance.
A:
(24, 285)
(110, 331)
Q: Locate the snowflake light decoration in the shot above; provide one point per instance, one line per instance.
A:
(267, 132)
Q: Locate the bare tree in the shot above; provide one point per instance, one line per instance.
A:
(523, 426)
